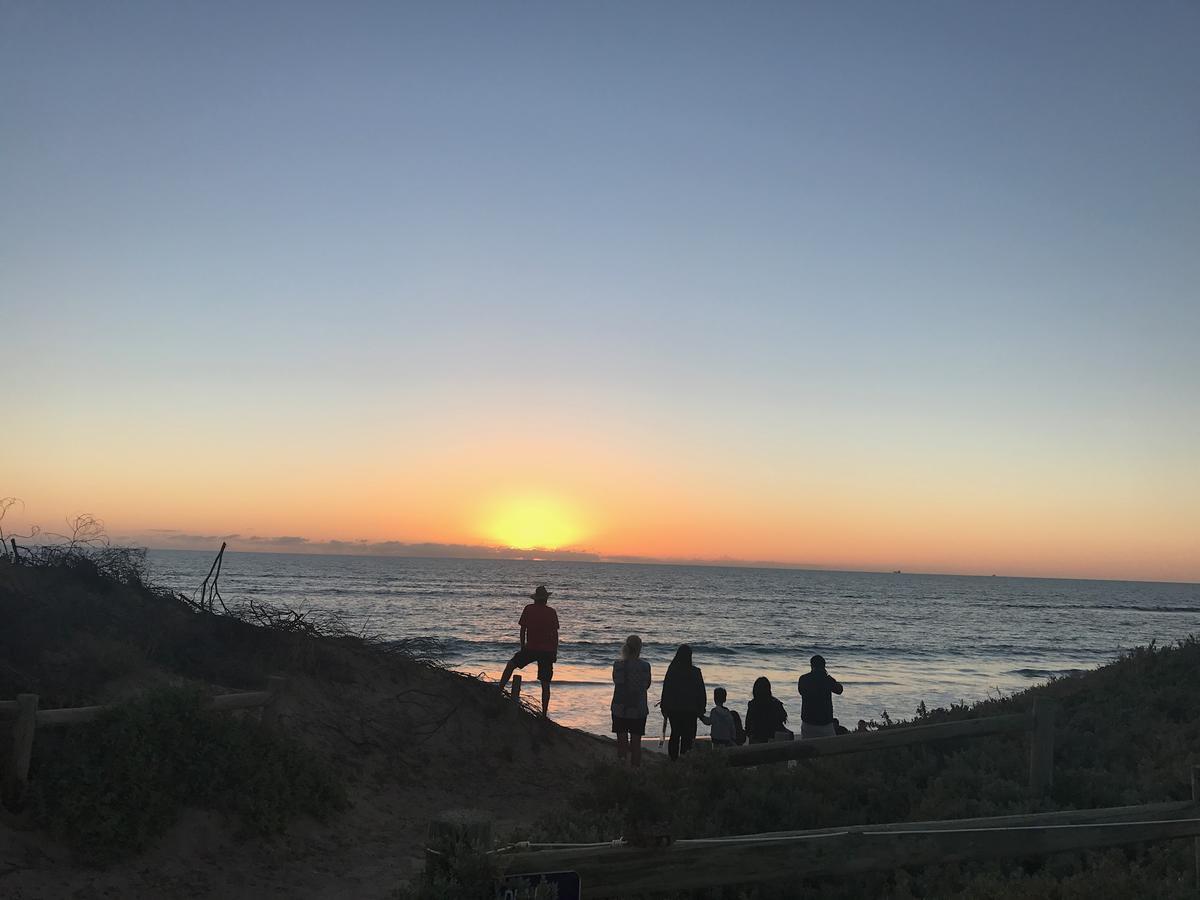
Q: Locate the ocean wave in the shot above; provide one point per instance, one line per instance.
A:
(376, 592)
(1108, 607)
(1157, 609)
(606, 651)
(1042, 673)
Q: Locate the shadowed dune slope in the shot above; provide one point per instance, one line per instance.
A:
(406, 738)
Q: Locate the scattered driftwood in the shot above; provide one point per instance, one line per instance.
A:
(210, 594)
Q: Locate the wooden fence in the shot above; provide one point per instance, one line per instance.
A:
(29, 718)
(1039, 722)
(619, 870)
(615, 868)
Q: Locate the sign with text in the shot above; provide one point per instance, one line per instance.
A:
(525, 887)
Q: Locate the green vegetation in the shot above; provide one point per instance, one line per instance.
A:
(1128, 733)
(78, 617)
(110, 787)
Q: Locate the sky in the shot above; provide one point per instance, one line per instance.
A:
(871, 286)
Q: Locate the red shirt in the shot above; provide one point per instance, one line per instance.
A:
(541, 627)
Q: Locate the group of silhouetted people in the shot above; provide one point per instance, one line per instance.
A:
(684, 700)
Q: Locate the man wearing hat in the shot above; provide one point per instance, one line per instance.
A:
(539, 642)
(816, 701)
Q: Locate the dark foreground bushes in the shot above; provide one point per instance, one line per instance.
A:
(76, 619)
(700, 797)
(109, 788)
(1127, 733)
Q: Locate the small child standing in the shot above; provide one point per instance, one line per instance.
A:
(723, 724)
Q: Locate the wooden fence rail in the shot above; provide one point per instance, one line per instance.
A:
(610, 871)
(29, 718)
(1039, 721)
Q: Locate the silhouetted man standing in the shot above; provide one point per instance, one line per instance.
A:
(816, 700)
(539, 642)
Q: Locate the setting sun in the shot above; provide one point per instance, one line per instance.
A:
(528, 523)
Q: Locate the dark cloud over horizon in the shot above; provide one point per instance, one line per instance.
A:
(174, 539)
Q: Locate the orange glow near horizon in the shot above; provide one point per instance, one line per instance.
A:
(533, 522)
(609, 490)
(440, 286)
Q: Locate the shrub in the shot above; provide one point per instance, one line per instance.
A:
(97, 566)
(1127, 733)
(108, 788)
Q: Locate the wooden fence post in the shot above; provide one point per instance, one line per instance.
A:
(862, 741)
(1041, 747)
(455, 833)
(1196, 841)
(276, 685)
(516, 687)
(22, 748)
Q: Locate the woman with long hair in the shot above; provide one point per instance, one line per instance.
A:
(765, 715)
(631, 680)
(684, 700)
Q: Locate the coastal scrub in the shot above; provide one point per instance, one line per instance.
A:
(109, 788)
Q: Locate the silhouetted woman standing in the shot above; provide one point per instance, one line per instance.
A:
(765, 715)
(631, 680)
(684, 700)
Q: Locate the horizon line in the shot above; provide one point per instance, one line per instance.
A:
(563, 555)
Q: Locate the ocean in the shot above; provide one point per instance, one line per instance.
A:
(893, 640)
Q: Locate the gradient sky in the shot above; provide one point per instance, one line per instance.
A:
(861, 285)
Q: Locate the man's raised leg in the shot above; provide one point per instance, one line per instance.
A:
(508, 670)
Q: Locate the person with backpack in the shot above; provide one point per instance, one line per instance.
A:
(765, 715)
(683, 701)
(630, 709)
